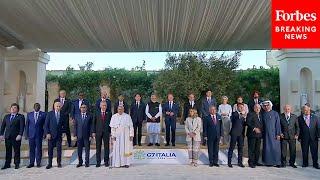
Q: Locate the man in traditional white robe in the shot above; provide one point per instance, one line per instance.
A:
(122, 135)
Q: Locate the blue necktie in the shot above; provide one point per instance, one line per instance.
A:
(12, 117)
(58, 117)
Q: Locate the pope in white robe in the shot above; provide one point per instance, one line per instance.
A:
(122, 136)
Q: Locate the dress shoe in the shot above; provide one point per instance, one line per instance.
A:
(5, 167)
(211, 165)
(30, 166)
(49, 166)
(157, 144)
(150, 144)
(97, 165)
(87, 165)
(230, 166)
(241, 165)
(304, 165)
(79, 165)
(278, 166)
(126, 166)
(259, 164)
(106, 164)
(252, 166)
(16, 166)
(167, 144)
(139, 144)
(283, 166)
(294, 166)
(59, 165)
(316, 166)
(173, 144)
(216, 165)
(38, 165)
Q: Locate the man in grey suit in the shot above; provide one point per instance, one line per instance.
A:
(207, 101)
(290, 133)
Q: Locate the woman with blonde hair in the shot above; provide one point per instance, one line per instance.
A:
(193, 128)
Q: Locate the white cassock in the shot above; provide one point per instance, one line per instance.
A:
(121, 129)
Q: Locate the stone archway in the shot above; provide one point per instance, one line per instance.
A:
(305, 86)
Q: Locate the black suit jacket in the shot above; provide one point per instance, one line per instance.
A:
(251, 104)
(13, 128)
(52, 127)
(289, 130)
(125, 105)
(98, 126)
(305, 131)
(210, 130)
(238, 124)
(187, 107)
(138, 115)
(254, 122)
(66, 108)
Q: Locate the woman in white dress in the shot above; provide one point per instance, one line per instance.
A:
(193, 126)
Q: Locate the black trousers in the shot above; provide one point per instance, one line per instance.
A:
(254, 144)
(57, 142)
(213, 150)
(292, 150)
(83, 143)
(12, 143)
(68, 134)
(170, 127)
(233, 141)
(105, 137)
(305, 144)
(137, 127)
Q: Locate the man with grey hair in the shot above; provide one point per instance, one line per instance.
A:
(271, 154)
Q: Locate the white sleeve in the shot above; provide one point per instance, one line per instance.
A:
(147, 111)
(160, 112)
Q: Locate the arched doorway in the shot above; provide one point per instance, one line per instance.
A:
(305, 86)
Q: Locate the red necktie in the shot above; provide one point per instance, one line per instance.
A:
(103, 116)
(214, 120)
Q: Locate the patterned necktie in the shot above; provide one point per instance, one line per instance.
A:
(288, 119)
(307, 119)
(214, 120)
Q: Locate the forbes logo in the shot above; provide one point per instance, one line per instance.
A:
(281, 15)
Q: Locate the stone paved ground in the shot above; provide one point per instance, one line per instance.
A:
(163, 172)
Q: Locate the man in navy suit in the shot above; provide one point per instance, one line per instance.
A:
(309, 126)
(82, 131)
(11, 131)
(66, 108)
(54, 128)
(137, 113)
(34, 132)
(171, 110)
(238, 119)
(122, 103)
(212, 133)
(254, 100)
(103, 97)
(76, 104)
(207, 101)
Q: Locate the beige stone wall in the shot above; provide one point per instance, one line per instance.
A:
(2, 51)
(53, 92)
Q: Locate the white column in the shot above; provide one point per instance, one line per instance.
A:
(27, 65)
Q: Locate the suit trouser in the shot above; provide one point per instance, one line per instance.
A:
(213, 150)
(170, 126)
(292, 150)
(233, 141)
(12, 143)
(254, 144)
(68, 134)
(57, 142)
(137, 127)
(305, 144)
(105, 137)
(35, 150)
(83, 142)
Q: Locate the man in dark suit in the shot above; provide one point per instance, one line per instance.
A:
(254, 100)
(11, 131)
(191, 104)
(238, 119)
(66, 107)
(101, 132)
(290, 133)
(54, 128)
(34, 133)
(212, 132)
(76, 104)
(137, 113)
(103, 97)
(82, 132)
(309, 126)
(207, 101)
(170, 110)
(254, 135)
(122, 103)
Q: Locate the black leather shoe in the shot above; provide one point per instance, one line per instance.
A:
(139, 144)
(38, 165)
(157, 144)
(230, 166)
(173, 144)
(49, 166)
(241, 165)
(216, 165)
(30, 166)
(150, 144)
(316, 166)
(106, 164)
(59, 165)
(5, 167)
(259, 164)
(79, 165)
(278, 166)
(16, 166)
(294, 166)
(304, 165)
(126, 166)
(87, 165)
(97, 165)
(167, 144)
(252, 166)
(211, 165)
